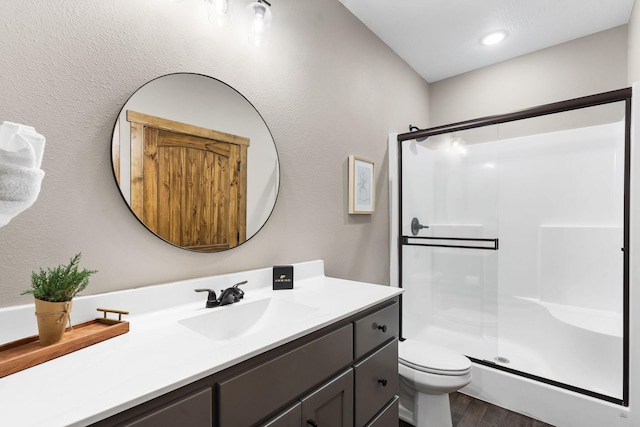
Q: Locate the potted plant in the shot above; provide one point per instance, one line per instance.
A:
(53, 291)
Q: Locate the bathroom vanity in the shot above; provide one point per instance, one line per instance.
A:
(322, 354)
(325, 378)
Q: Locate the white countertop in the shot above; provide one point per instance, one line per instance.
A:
(159, 354)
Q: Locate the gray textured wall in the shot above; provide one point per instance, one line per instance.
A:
(325, 85)
(589, 65)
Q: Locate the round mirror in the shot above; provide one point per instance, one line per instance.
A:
(195, 162)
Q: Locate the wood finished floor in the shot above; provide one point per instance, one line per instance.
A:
(469, 412)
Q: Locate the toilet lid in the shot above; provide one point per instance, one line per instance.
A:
(432, 358)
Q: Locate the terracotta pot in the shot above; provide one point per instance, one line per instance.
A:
(53, 318)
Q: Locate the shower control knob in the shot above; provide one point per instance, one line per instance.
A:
(416, 226)
(312, 423)
(382, 328)
(383, 381)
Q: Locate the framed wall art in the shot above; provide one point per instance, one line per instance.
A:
(361, 186)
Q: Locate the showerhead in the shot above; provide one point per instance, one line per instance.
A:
(412, 128)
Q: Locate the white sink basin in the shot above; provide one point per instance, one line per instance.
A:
(245, 318)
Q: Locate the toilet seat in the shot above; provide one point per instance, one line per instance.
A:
(432, 359)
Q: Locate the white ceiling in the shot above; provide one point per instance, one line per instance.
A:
(440, 38)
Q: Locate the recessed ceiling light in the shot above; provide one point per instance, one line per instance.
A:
(493, 37)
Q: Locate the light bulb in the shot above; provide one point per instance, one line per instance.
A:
(258, 26)
(219, 12)
(221, 6)
(259, 22)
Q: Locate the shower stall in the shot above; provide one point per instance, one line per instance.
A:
(512, 242)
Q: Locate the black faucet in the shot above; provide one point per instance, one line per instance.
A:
(232, 294)
(212, 301)
(227, 296)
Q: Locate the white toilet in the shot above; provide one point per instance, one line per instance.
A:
(428, 373)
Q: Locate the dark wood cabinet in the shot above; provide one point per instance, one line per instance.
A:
(375, 329)
(343, 375)
(376, 382)
(250, 396)
(373, 381)
(194, 410)
(388, 417)
(331, 404)
(291, 417)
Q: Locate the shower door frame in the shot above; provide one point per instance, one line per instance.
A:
(620, 95)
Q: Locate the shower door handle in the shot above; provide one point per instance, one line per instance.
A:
(451, 242)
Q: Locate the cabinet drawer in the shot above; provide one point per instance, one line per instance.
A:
(375, 329)
(194, 410)
(251, 396)
(389, 416)
(376, 382)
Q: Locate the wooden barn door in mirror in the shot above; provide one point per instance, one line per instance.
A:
(188, 184)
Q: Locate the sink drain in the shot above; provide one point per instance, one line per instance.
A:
(500, 359)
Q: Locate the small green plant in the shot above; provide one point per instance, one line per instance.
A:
(61, 283)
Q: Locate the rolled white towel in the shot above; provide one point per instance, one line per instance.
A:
(21, 151)
(19, 189)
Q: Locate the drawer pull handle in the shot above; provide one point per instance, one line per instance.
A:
(383, 381)
(382, 328)
(312, 423)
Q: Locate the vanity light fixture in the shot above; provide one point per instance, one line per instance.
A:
(259, 22)
(258, 18)
(494, 37)
(219, 12)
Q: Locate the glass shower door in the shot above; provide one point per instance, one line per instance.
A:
(514, 245)
(450, 244)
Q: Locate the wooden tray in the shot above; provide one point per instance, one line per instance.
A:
(27, 352)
